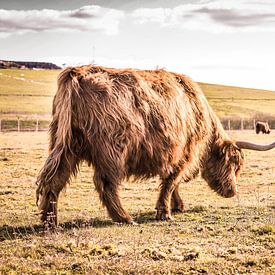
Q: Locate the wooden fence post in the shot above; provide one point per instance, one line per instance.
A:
(229, 124)
(37, 123)
(18, 125)
(241, 124)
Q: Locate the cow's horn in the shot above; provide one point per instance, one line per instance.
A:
(253, 146)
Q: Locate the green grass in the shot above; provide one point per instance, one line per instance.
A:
(228, 101)
(28, 92)
(214, 235)
(28, 82)
(13, 105)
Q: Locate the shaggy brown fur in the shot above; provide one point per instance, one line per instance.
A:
(134, 122)
(262, 127)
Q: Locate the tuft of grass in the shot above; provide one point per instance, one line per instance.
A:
(199, 209)
(265, 229)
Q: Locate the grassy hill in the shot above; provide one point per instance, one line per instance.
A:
(229, 101)
(29, 92)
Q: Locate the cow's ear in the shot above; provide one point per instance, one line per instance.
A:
(222, 149)
(233, 153)
(230, 150)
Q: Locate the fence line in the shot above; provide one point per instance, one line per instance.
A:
(243, 124)
(23, 125)
(36, 125)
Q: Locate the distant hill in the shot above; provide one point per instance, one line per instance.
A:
(7, 64)
(31, 92)
(230, 101)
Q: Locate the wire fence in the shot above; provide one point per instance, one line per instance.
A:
(36, 125)
(244, 124)
(23, 125)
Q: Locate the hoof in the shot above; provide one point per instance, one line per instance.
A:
(127, 222)
(49, 225)
(49, 220)
(177, 206)
(123, 220)
(163, 215)
(178, 209)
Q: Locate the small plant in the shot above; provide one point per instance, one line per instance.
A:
(265, 229)
(199, 208)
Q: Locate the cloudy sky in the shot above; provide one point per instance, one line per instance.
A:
(218, 41)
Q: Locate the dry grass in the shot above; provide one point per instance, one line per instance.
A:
(214, 235)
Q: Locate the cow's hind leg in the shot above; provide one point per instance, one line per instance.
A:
(177, 204)
(52, 179)
(108, 193)
(168, 185)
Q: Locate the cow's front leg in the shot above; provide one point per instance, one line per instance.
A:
(168, 185)
(177, 204)
(108, 194)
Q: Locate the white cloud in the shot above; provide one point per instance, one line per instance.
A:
(87, 18)
(215, 16)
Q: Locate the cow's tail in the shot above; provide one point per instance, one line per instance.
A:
(60, 130)
(67, 93)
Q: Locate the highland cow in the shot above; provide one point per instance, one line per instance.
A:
(139, 123)
(262, 127)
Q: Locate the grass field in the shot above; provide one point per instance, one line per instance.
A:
(28, 92)
(239, 102)
(214, 235)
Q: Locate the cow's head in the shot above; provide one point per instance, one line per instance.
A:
(223, 165)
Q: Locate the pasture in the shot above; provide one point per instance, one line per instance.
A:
(214, 235)
(25, 93)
